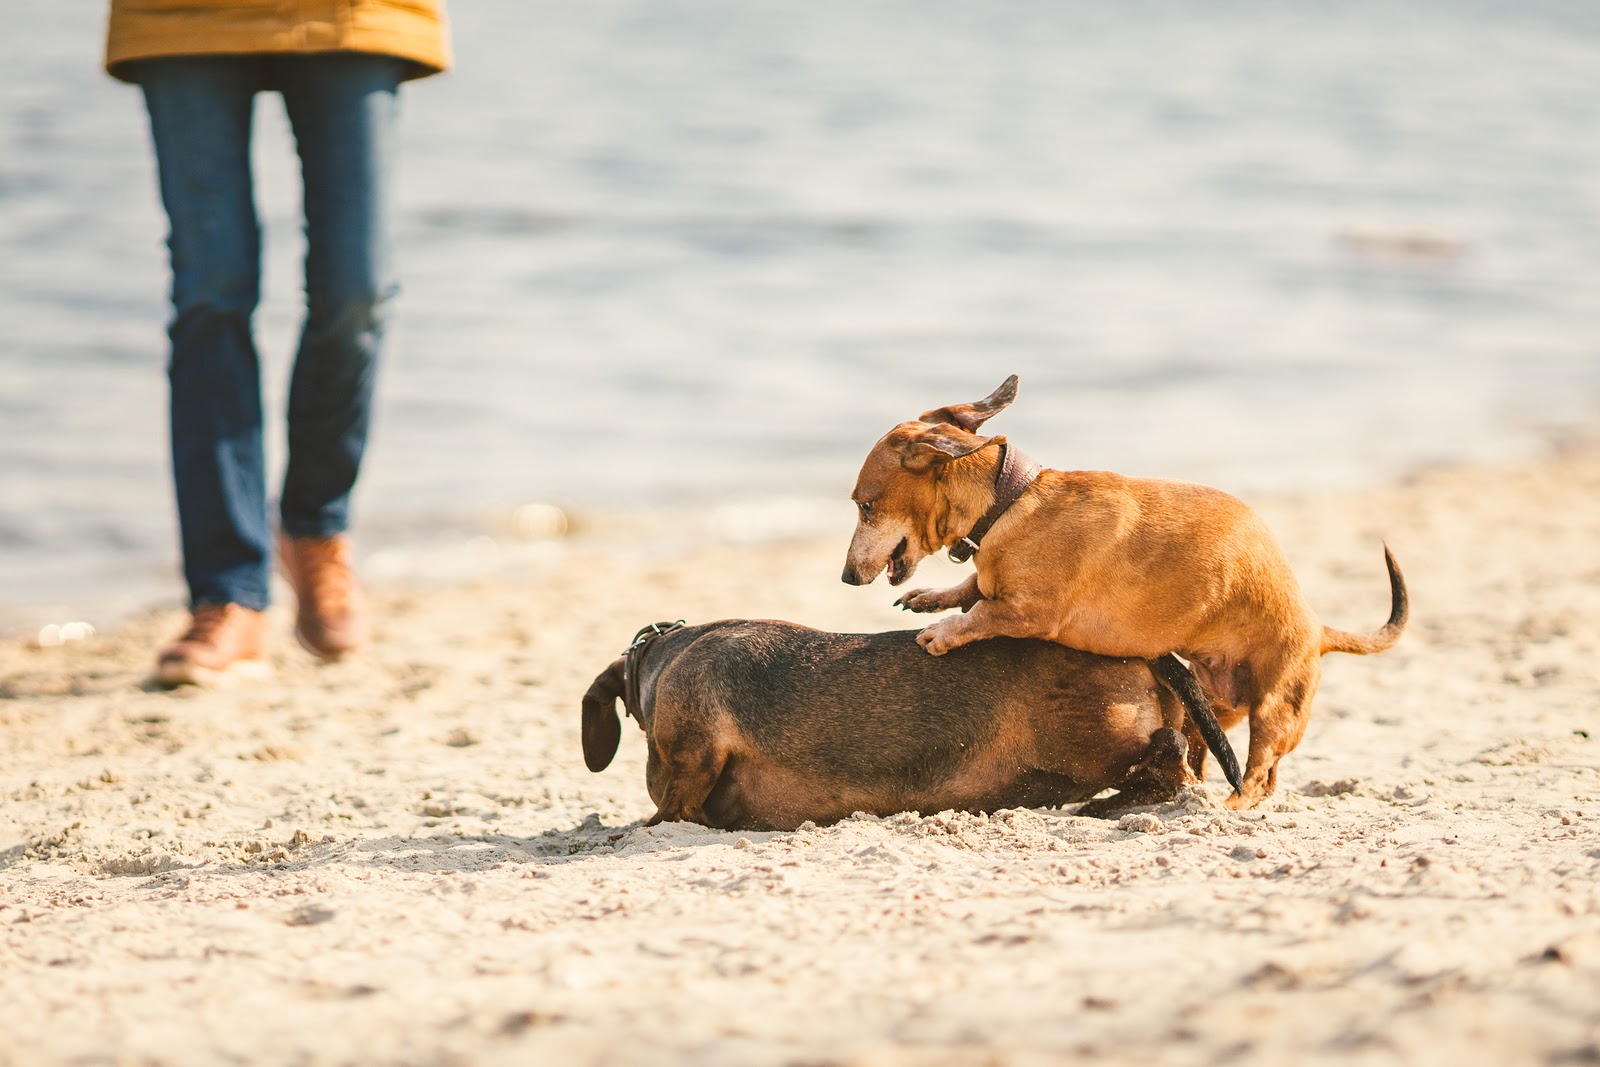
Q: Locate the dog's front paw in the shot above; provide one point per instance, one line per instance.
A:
(935, 639)
(922, 600)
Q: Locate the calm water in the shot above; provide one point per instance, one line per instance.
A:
(701, 252)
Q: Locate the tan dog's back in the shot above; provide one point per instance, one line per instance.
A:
(1190, 563)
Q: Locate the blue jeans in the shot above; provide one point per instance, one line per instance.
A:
(342, 107)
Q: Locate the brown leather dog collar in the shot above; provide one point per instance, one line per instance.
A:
(631, 657)
(1017, 472)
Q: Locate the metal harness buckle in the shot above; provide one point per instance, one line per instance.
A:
(650, 633)
(963, 550)
(630, 662)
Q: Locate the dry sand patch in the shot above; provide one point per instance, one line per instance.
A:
(403, 859)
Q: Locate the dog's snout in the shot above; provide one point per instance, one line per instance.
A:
(850, 577)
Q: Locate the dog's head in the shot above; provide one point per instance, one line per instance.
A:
(897, 494)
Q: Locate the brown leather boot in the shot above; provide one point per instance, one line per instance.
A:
(223, 641)
(332, 618)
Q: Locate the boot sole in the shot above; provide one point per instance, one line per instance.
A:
(174, 673)
(324, 654)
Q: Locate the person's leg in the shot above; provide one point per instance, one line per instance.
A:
(200, 117)
(343, 109)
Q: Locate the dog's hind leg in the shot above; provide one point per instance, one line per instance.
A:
(1155, 779)
(688, 769)
(1277, 723)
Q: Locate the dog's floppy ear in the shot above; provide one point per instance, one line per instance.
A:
(938, 445)
(602, 729)
(971, 416)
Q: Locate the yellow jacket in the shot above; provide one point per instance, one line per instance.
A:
(144, 29)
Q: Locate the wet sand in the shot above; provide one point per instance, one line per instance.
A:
(403, 860)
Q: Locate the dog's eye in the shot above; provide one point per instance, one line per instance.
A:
(866, 509)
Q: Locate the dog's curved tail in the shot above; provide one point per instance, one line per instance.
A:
(1170, 672)
(1385, 638)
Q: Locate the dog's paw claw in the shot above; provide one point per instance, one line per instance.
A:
(920, 601)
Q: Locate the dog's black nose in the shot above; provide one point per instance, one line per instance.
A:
(850, 577)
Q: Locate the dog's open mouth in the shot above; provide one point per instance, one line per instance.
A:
(899, 569)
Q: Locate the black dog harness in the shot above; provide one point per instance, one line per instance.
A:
(1017, 472)
(632, 657)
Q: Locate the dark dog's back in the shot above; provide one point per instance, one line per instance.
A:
(866, 707)
(802, 724)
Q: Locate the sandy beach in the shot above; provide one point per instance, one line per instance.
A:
(402, 860)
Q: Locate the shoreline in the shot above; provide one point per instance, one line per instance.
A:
(494, 540)
(409, 845)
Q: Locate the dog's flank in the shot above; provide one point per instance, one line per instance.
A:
(767, 725)
(1114, 565)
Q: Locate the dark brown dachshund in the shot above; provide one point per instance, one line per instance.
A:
(766, 725)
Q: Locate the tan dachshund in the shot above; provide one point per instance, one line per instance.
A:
(1117, 566)
(766, 725)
